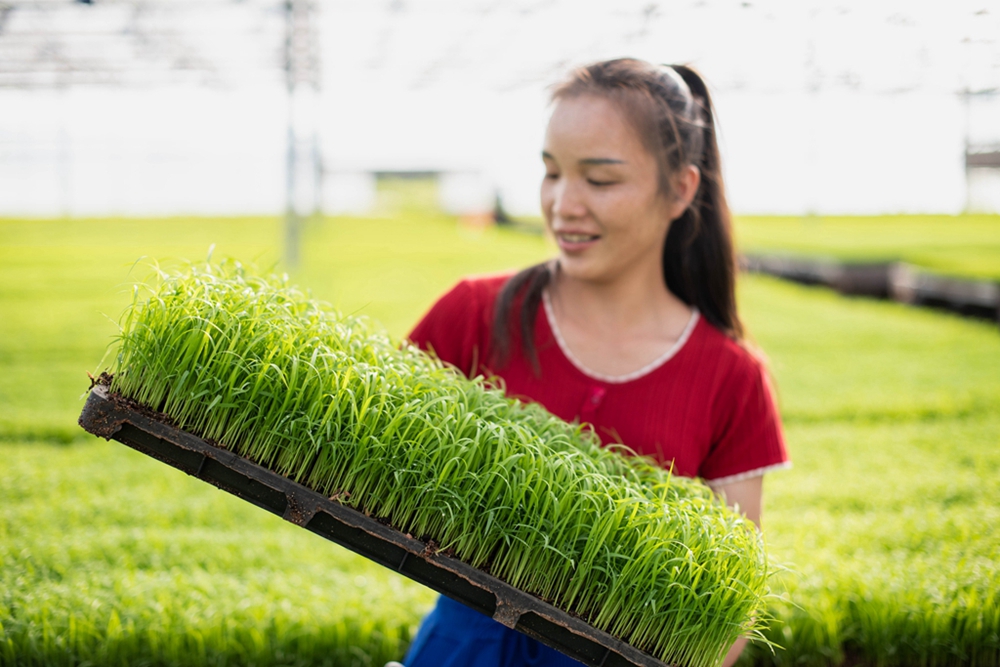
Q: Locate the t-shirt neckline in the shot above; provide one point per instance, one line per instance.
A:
(616, 379)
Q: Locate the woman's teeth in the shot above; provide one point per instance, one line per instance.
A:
(579, 238)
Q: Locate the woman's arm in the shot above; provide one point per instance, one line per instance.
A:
(746, 495)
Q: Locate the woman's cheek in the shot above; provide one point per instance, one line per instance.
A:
(546, 200)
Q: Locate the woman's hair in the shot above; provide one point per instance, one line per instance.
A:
(671, 111)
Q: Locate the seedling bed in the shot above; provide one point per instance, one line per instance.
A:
(893, 280)
(112, 417)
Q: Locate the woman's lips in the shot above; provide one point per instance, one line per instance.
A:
(575, 241)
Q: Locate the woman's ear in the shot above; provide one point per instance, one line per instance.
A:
(685, 187)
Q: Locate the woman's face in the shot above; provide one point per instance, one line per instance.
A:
(601, 197)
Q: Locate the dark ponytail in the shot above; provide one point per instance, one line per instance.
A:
(699, 262)
(672, 112)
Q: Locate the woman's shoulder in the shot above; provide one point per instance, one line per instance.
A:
(471, 293)
(484, 286)
(731, 357)
(457, 326)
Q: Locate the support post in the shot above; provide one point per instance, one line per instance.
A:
(303, 182)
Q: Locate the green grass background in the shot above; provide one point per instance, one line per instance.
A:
(887, 522)
(965, 245)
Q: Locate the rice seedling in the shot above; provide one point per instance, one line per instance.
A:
(253, 364)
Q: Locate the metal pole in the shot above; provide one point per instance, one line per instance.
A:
(303, 155)
(293, 223)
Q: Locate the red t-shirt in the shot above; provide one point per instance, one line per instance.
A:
(706, 405)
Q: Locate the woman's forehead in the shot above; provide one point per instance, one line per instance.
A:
(592, 130)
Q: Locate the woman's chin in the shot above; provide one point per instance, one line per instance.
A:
(582, 270)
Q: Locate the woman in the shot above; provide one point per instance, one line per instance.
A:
(633, 327)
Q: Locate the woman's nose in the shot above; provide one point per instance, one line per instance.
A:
(567, 202)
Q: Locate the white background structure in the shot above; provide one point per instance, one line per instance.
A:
(150, 107)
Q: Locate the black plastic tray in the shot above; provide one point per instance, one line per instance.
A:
(111, 417)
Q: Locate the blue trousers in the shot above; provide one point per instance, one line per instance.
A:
(453, 635)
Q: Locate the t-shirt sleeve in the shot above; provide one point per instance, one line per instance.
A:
(748, 439)
(451, 329)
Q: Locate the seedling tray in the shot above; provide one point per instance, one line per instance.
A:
(113, 417)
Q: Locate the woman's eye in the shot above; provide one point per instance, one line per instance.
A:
(593, 182)
(551, 176)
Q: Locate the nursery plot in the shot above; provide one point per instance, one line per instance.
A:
(890, 533)
(962, 245)
(109, 557)
(839, 358)
(863, 386)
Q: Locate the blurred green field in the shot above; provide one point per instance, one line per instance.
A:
(887, 522)
(108, 558)
(963, 245)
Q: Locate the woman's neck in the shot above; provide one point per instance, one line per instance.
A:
(632, 302)
(618, 327)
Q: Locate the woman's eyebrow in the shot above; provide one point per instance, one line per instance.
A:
(601, 160)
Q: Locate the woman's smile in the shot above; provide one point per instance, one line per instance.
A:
(575, 242)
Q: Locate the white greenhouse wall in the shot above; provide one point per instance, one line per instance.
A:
(182, 151)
